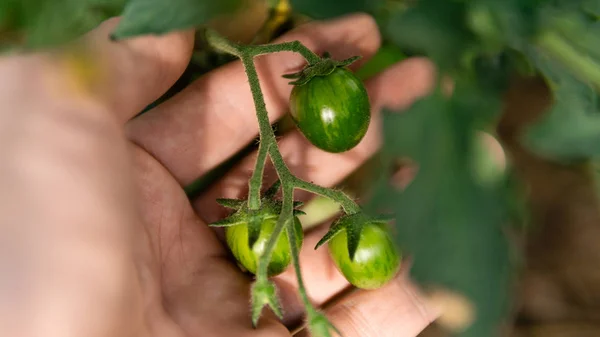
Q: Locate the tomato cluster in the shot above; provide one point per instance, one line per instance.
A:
(330, 106)
(374, 262)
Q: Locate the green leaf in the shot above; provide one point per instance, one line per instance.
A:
(324, 9)
(386, 56)
(142, 17)
(450, 224)
(592, 7)
(48, 23)
(506, 22)
(433, 28)
(570, 130)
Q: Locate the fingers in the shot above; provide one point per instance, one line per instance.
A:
(215, 116)
(397, 87)
(137, 71)
(397, 309)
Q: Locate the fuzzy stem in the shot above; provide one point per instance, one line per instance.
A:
(293, 241)
(349, 206)
(255, 181)
(285, 219)
(293, 46)
(268, 146)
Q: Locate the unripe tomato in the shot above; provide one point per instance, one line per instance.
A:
(332, 111)
(237, 240)
(376, 260)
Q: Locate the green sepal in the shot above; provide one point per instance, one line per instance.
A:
(292, 75)
(353, 224)
(230, 203)
(322, 68)
(320, 326)
(353, 230)
(264, 293)
(336, 227)
(255, 220)
(231, 220)
(272, 190)
(299, 212)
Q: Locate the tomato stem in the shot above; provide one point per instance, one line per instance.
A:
(268, 147)
(349, 206)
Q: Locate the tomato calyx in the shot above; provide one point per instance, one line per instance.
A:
(353, 224)
(264, 293)
(270, 208)
(323, 67)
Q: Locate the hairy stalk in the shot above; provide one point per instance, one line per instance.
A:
(293, 241)
(255, 181)
(268, 146)
(285, 220)
(349, 206)
(294, 46)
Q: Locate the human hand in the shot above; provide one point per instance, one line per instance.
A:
(98, 236)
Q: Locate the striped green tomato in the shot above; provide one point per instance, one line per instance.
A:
(376, 260)
(332, 111)
(237, 240)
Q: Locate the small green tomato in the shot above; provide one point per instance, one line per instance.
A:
(332, 111)
(376, 260)
(247, 257)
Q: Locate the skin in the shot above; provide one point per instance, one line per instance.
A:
(332, 111)
(376, 260)
(97, 237)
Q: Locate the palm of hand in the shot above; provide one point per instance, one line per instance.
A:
(183, 282)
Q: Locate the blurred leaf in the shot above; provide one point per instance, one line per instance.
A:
(386, 56)
(324, 9)
(570, 129)
(450, 224)
(143, 17)
(433, 28)
(47, 23)
(572, 40)
(506, 23)
(592, 7)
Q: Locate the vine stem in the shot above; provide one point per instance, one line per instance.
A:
(349, 206)
(268, 146)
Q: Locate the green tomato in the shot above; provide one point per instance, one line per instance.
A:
(376, 260)
(237, 240)
(332, 111)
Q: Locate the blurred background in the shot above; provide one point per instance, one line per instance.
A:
(492, 177)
